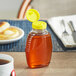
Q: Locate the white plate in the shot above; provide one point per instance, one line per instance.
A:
(15, 39)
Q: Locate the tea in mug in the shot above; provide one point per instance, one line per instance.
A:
(3, 61)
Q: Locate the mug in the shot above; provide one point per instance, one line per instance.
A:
(8, 68)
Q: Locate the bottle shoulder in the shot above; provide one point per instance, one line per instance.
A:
(33, 34)
(39, 32)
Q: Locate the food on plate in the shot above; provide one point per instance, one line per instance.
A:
(7, 32)
(3, 26)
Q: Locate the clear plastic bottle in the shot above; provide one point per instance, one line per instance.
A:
(38, 46)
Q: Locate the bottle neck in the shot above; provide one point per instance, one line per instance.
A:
(39, 30)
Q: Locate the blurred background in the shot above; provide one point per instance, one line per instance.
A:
(47, 8)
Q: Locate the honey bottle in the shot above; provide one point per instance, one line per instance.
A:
(38, 45)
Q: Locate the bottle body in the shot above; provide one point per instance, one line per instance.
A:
(38, 48)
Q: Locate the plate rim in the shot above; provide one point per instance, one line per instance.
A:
(15, 39)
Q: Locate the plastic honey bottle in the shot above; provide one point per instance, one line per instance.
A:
(39, 44)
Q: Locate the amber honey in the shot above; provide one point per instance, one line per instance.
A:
(38, 50)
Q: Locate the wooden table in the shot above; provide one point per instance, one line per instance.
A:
(62, 64)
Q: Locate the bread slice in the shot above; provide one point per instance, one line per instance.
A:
(4, 26)
(11, 32)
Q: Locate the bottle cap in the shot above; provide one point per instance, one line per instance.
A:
(39, 25)
(32, 15)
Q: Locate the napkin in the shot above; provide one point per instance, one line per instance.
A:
(58, 29)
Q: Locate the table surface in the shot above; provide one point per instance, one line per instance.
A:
(62, 64)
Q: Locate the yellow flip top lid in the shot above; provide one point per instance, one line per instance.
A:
(33, 16)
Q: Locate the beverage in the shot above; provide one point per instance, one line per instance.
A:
(6, 65)
(3, 61)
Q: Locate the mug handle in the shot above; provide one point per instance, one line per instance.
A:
(13, 73)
